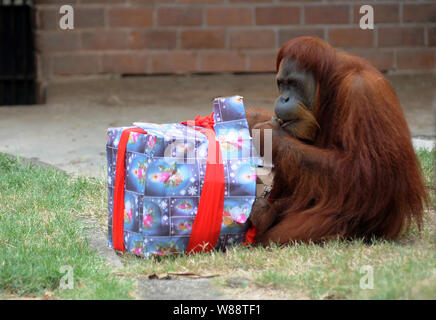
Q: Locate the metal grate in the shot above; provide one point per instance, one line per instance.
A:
(17, 60)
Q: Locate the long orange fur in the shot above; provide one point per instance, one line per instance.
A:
(360, 177)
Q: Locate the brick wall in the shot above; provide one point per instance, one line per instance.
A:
(113, 37)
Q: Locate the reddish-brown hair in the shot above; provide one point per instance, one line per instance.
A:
(361, 176)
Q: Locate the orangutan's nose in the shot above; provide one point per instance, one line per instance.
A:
(286, 107)
(284, 99)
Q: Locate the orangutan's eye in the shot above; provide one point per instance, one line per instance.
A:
(280, 84)
(296, 84)
(293, 83)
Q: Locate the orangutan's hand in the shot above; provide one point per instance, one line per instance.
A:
(262, 215)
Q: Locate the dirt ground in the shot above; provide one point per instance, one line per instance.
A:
(69, 131)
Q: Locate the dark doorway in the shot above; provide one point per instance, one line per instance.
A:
(17, 59)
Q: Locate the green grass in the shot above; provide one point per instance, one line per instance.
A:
(405, 269)
(40, 233)
(428, 163)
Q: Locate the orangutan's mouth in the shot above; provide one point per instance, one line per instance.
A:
(285, 124)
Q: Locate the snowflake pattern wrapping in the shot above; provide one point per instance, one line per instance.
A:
(165, 171)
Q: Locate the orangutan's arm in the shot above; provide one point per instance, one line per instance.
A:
(291, 154)
(256, 115)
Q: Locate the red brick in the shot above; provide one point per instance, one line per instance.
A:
(104, 1)
(58, 41)
(201, 1)
(399, 36)
(382, 60)
(153, 39)
(47, 19)
(432, 36)
(37, 2)
(278, 15)
(351, 37)
(383, 13)
(104, 39)
(222, 62)
(249, 39)
(203, 39)
(180, 16)
(416, 59)
(89, 18)
(229, 16)
(76, 64)
(331, 14)
(262, 61)
(419, 12)
(251, 1)
(125, 63)
(287, 34)
(239, 49)
(359, 1)
(44, 65)
(136, 2)
(130, 17)
(174, 62)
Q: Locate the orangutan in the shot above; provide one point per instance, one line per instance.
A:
(344, 165)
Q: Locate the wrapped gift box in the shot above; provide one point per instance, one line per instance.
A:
(164, 177)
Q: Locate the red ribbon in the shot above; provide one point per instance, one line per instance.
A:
(250, 235)
(118, 212)
(207, 223)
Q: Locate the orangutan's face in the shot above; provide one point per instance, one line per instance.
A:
(295, 106)
(297, 90)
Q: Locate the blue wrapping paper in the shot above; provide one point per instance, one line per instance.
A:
(164, 177)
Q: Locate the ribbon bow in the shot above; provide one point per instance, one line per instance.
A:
(206, 122)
